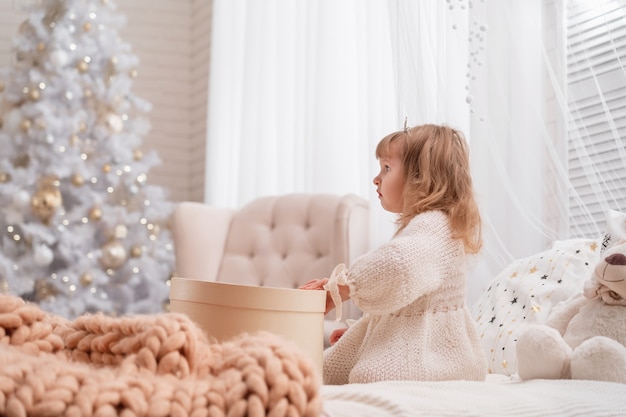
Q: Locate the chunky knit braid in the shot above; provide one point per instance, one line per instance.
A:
(158, 365)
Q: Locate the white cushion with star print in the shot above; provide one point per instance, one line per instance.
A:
(525, 292)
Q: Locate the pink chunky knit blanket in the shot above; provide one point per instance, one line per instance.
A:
(153, 365)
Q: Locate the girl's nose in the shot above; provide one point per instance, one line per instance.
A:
(376, 180)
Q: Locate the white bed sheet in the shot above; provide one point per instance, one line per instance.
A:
(498, 396)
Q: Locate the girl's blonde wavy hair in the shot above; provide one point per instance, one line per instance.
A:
(437, 176)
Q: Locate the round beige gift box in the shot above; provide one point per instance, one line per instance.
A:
(225, 310)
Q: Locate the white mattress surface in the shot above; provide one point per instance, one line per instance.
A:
(498, 396)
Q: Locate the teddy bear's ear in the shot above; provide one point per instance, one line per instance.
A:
(609, 278)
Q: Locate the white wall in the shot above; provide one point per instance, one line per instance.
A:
(171, 39)
(9, 21)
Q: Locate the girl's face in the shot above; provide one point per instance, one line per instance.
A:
(390, 181)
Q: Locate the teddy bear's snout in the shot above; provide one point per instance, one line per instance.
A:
(616, 259)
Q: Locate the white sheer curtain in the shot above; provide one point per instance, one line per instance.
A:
(301, 91)
(509, 100)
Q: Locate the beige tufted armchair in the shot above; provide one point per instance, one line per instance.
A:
(276, 241)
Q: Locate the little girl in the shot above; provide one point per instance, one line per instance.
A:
(415, 323)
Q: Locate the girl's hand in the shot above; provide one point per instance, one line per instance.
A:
(318, 284)
(315, 284)
(336, 335)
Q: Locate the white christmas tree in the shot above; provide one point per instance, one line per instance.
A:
(81, 229)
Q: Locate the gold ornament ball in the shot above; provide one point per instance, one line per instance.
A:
(45, 202)
(78, 180)
(136, 251)
(1, 86)
(25, 125)
(33, 94)
(41, 46)
(134, 73)
(74, 139)
(86, 279)
(4, 177)
(95, 213)
(87, 26)
(137, 154)
(82, 66)
(113, 255)
(88, 93)
(82, 126)
(106, 168)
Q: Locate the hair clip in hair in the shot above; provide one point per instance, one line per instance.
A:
(406, 128)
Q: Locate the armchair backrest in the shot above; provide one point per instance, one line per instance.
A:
(278, 241)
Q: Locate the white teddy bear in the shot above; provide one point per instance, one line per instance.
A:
(585, 336)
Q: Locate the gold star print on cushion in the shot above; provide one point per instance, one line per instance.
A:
(525, 292)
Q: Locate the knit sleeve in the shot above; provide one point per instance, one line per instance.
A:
(408, 267)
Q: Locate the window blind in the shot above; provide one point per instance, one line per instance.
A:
(596, 70)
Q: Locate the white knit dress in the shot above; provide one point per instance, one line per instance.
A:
(416, 325)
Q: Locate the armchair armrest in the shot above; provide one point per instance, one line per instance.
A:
(198, 255)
